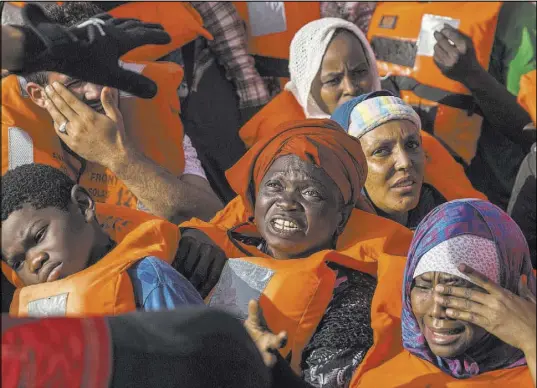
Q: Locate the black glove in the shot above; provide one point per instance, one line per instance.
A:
(89, 50)
(200, 260)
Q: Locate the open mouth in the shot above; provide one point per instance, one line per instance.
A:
(284, 226)
(444, 336)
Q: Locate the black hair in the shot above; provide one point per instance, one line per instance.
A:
(37, 185)
(38, 77)
(71, 12)
(67, 14)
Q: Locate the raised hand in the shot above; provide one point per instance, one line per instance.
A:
(89, 50)
(267, 342)
(454, 54)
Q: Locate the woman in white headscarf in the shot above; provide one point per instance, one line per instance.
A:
(330, 62)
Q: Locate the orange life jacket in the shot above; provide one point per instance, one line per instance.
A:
(441, 169)
(408, 371)
(116, 221)
(448, 105)
(294, 294)
(179, 19)
(153, 125)
(527, 94)
(103, 288)
(272, 25)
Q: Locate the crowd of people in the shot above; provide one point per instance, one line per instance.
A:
(269, 194)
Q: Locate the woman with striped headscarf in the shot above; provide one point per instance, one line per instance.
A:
(409, 171)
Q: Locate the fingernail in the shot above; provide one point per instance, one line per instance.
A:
(48, 89)
(439, 288)
(55, 84)
(449, 311)
(462, 267)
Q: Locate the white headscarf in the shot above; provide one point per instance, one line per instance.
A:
(306, 54)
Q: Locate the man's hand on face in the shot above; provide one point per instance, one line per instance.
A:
(98, 138)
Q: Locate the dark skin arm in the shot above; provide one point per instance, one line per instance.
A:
(458, 62)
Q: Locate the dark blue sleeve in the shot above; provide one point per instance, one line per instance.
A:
(158, 286)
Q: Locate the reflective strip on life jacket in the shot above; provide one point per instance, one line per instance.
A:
(271, 26)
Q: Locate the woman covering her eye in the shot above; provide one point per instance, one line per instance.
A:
(468, 304)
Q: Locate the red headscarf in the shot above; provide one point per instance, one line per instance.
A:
(322, 142)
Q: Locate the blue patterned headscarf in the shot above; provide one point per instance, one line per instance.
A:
(364, 113)
(482, 219)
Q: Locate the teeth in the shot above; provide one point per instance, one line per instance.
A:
(285, 225)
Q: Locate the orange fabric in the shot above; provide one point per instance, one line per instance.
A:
(441, 170)
(105, 287)
(162, 144)
(527, 96)
(408, 371)
(369, 243)
(276, 45)
(284, 107)
(458, 130)
(323, 142)
(444, 173)
(116, 221)
(179, 19)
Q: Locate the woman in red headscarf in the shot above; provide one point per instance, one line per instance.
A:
(302, 195)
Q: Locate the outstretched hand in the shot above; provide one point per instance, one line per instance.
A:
(267, 342)
(89, 50)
